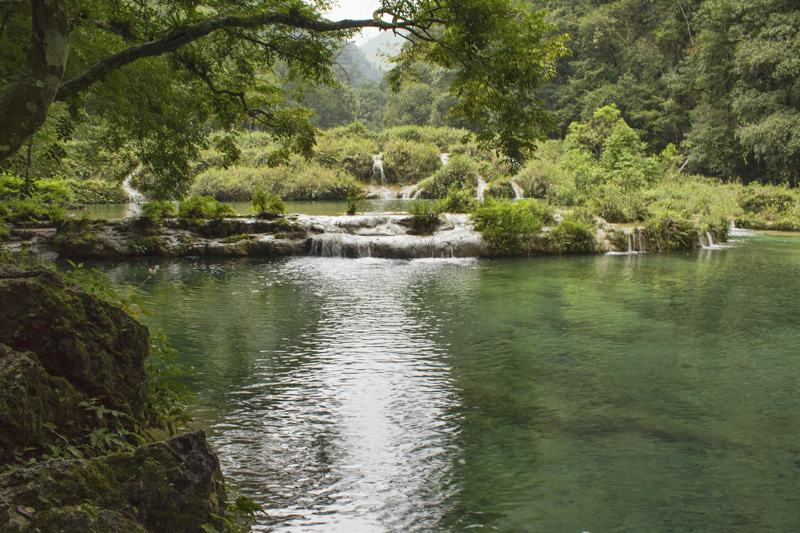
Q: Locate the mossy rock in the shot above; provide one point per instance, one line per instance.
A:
(97, 347)
(172, 486)
(32, 400)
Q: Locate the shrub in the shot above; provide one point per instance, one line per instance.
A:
(446, 139)
(408, 161)
(424, 217)
(460, 174)
(510, 227)
(355, 154)
(458, 202)
(266, 204)
(355, 199)
(159, 209)
(204, 207)
(575, 234)
(500, 189)
(299, 180)
(669, 230)
(96, 191)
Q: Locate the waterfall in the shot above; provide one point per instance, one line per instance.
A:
(444, 158)
(377, 168)
(709, 239)
(631, 248)
(135, 198)
(519, 193)
(481, 188)
(408, 192)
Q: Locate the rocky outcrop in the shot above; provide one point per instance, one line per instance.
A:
(94, 346)
(170, 486)
(35, 407)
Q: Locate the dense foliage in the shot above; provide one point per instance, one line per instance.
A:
(156, 79)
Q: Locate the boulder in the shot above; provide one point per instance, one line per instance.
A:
(31, 400)
(172, 486)
(95, 346)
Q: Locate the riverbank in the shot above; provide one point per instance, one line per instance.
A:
(82, 398)
(386, 235)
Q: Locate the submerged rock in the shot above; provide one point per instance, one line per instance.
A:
(96, 347)
(170, 486)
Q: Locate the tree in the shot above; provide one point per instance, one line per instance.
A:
(163, 74)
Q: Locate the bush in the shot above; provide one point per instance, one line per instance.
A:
(204, 207)
(355, 154)
(668, 230)
(510, 227)
(500, 189)
(408, 161)
(266, 204)
(424, 217)
(299, 180)
(159, 209)
(97, 191)
(576, 234)
(460, 174)
(446, 139)
(355, 199)
(458, 202)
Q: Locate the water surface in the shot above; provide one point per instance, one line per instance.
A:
(654, 392)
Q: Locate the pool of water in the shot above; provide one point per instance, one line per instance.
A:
(111, 211)
(653, 392)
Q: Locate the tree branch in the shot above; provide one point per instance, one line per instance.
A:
(183, 35)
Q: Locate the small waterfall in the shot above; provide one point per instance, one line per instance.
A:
(444, 158)
(709, 239)
(631, 247)
(481, 188)
(408, 192)
(519, 193)
(377, 168)
(134, 196)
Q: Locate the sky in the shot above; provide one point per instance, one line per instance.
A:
(356, 9)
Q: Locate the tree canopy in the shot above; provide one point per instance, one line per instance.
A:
(165, 73)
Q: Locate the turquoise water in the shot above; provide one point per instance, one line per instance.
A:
(655, 392)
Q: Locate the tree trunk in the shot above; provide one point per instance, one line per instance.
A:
(25, 102)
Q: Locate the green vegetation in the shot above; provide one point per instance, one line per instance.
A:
(511, 228)
(355, 200)
(204, 207)
(267, 205)
(424, 217)
(298, 180)
(159, 209)
(460, 174)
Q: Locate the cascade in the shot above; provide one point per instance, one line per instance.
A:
(444, 158)
(134, 196)
(377, 168)
(481, 188)
(519, 193)
(709, 239)
(631, 248)
(407, 192)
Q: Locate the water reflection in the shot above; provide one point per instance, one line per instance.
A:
(655, 392)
